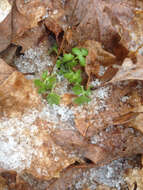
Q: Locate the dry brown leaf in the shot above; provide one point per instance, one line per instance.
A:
(38, 156)
(134, 179)
(125, 118)
(109, 22)
(5, 71)
(96, 56)
(138, 122)
(104, 110)
(120, 141)
(53, 26)
(55, 21)
(3, 184)
(33, 11)
(8, 55)
(16, 94)
(5, 24)
(109, 74)
(129, 70)
(71, 141)
(31, 37)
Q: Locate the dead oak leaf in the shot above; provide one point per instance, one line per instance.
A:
(16, 94)
(5, 71)
(129, 70)
(108, 22)
(97, 56)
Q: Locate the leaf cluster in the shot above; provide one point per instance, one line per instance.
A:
(46, 84)
(66, 66)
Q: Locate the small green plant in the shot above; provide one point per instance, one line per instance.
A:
(66, 66)
(46, 85)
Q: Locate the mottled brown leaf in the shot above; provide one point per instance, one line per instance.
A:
(129, 70)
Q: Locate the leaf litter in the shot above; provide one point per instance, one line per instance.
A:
(45, 141)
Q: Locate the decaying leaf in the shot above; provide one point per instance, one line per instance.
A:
(5, 71)
(97, 56)
(129, 70)
(110, 22)
(8, 55)
(110, 105)
(50, 147)
(134, 179)
(16, 94)
(3, 184)
(31, 38)
(5, 24)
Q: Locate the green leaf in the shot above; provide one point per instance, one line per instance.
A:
(67, 57)
(44, 75)
(84, 51)
(38, 83)
(82, 60)
(42, 90)
(76, 51)
(72, 64)
(42, 87)
(78, 89)
(50, 82)
(58, 63)
(53, 98)
(73, 77)
(81, 100)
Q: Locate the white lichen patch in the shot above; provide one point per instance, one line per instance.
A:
(5, 9)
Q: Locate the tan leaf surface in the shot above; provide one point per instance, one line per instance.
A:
(5, 71)
(5, 27)
(110, 105)
(108, 22)
(129, 70)
(134, 178)
(33, 150)
(97, 56)
(31, 38)
(16, 94)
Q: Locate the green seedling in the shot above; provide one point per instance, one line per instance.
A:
(83, 95)
(53, 98)
(66, 66)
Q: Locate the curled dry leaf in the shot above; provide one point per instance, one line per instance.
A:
(74, 142)
(55, 22)
(31, 10)
(27, 15)
(97, 56)
(8, 55)
(129, 70)
(138, 123)
(31, 37)
(113, 22)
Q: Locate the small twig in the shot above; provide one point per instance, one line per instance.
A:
(29, 73)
